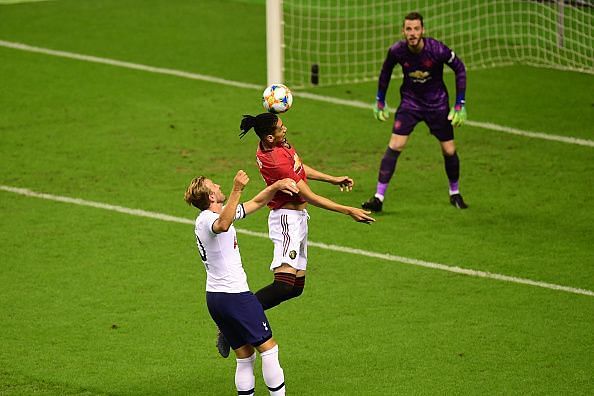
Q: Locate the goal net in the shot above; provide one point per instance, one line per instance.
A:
(346, 41)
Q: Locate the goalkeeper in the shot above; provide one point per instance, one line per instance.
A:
(424, 97)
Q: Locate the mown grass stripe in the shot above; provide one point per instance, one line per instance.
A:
(307, 95)
(335, 248)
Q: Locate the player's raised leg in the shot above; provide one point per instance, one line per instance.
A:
(288, 231)
(281, 288)
(222, 344)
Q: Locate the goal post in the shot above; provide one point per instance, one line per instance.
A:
(274, 41)
(345, 41)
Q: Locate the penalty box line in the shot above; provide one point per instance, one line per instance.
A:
(335, 248)
(307, 95)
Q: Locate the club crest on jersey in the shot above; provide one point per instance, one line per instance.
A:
(428, 63)
(297, 165)
(420, 76)
(292, 254)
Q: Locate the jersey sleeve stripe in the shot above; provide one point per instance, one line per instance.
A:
(452, 57)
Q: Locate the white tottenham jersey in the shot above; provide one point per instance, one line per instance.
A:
(220, 254)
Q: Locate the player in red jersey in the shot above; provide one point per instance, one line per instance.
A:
(287, 221)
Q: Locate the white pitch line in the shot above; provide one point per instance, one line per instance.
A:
(335, 248)
(307, 95)
(127, 65)
(3, 2)
(536, 135)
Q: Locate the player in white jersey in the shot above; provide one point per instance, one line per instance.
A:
(236, 311)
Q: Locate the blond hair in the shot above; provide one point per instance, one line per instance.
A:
(197, 194)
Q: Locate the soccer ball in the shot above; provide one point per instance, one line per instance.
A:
(277, 98)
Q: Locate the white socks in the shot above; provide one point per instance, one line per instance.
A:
(245, 382)
(272, 372)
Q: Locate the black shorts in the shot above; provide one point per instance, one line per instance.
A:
(437, 121)
(240, 318)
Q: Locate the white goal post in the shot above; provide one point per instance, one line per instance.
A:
(274, 41)
(345, 41)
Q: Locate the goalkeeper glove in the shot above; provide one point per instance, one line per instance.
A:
(457, 114)
(380, 111)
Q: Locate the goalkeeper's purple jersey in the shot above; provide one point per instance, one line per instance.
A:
(422, 86)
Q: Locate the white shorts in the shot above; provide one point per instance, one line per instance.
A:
(288, 231)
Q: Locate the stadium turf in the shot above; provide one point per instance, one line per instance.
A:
(101, 302)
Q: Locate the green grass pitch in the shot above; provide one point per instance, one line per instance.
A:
(96, 302)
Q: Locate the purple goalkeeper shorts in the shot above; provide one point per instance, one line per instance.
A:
(240, 318)
(437, 121)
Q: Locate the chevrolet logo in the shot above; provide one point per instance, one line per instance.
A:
(419, 75)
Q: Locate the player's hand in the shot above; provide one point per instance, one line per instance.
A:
(288, 186)
(344, 182)
(457, 115)
(361, 216)
(240, 180)
(380, 111)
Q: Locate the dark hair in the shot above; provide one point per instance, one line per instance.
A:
(414, 16)
(264, 124)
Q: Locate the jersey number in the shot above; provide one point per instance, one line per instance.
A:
(201, 251)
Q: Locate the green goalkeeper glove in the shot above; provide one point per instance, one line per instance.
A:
(380, 111)
(457, 115)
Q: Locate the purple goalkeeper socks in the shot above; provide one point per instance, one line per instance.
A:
(381, 189)
(454, 187)
(387, 169)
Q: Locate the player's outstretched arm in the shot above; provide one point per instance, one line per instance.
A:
(227, 216)
(357, 214)
(344, 182)
(263, 197)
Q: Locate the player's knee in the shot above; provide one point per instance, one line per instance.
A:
(299, 286)
(397, 142)
(297, 291)
(448, 148)
(278, 291)
(283, 290)
(397, 147)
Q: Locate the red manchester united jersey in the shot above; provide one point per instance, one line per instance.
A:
(279, 163)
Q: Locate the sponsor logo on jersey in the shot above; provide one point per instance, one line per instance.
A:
(420, 76)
